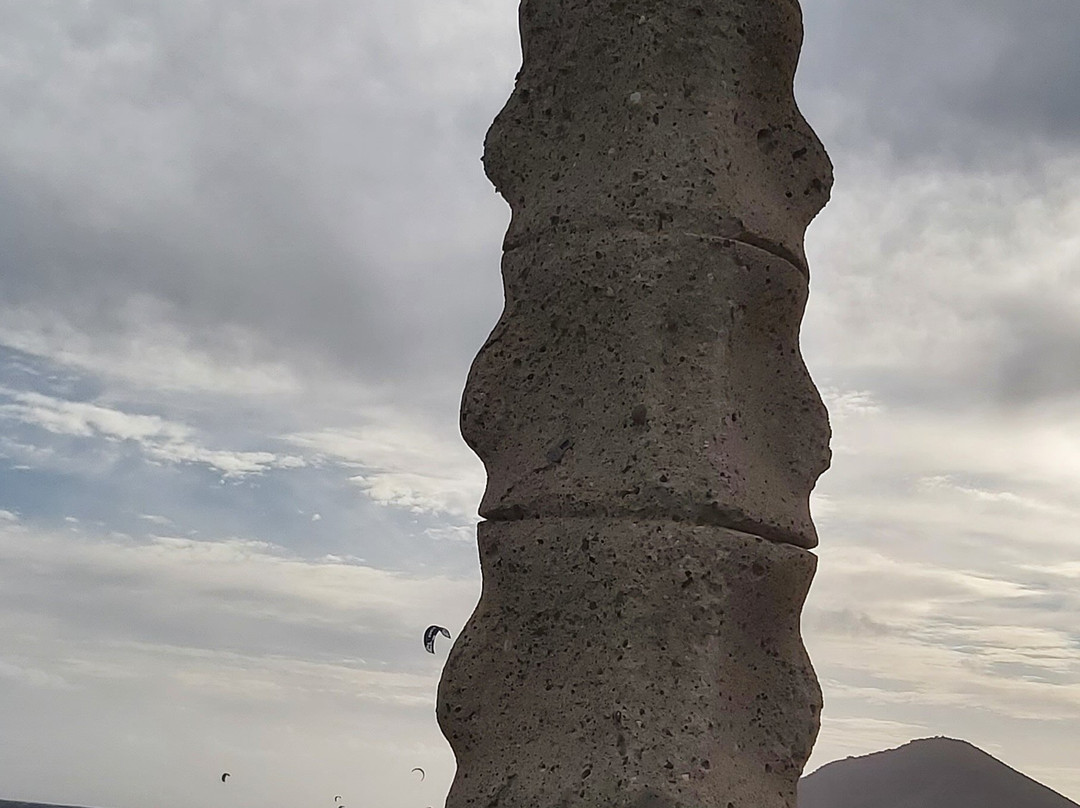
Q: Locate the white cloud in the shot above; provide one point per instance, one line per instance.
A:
(161, 440)
(912, 638)
(947, 278)
(32, 677)
(405, 463)
(844, 404)
(148, 351)
(419, 493)
(84, 420)
(944, 483)
(1066, 569)
(921, 473)
(854, 736)
(244, 577)
(183, 657)
(458, 533)
(155, 519)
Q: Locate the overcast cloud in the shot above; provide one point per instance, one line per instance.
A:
(247, 253)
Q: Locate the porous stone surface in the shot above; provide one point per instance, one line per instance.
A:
(675, 115)
(660, 379)
(631, 663)
(649, 429)
(661, 179)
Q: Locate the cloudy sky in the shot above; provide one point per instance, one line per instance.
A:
(247, 253)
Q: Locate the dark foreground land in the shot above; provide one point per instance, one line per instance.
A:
(931, 773)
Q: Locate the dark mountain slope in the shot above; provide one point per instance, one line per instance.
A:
(930, 773)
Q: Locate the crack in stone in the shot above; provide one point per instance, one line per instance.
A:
(748, 239)
(744, 238)
(705, 516)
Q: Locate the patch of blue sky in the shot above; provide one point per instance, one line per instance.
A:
(107, 486)
(63, 469)
(24, 372)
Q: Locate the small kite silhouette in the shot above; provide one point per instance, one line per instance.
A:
(224, 775)
(429, 637)
(422, 773)
(337, 798)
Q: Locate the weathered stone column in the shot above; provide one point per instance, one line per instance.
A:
(650, 432)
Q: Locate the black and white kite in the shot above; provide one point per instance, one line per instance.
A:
(429, 637)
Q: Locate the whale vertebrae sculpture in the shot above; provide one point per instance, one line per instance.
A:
(650, 432)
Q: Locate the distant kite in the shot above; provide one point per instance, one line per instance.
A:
(422, 774)
(337, 798)
(429, 637)
(223, 776)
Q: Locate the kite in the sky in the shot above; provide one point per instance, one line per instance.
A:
(422, 773)
(429, 637)
(223, 776)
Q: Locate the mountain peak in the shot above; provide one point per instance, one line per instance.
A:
(935, 772)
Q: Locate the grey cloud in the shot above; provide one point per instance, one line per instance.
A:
(1015, 350)
(849, 622)
(299, 174)
(117, 608)
(1042, 346)
(941, 289)
(213, 598)
(314, 177)
(254, 259)
(965, 82)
